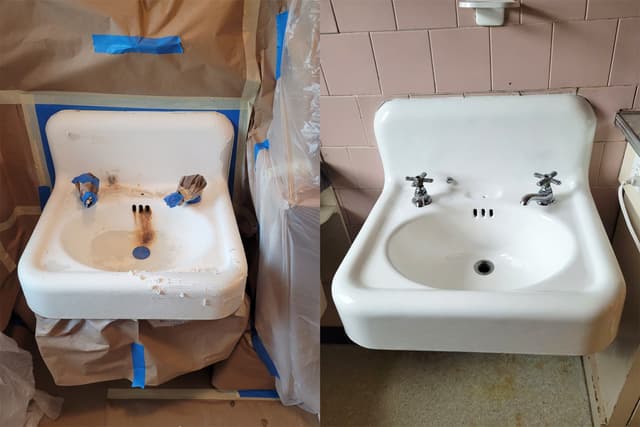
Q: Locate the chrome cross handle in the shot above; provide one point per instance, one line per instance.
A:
(419, 180)
(546, 179)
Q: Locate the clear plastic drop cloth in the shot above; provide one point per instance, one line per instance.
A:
(21, 405)
(286, 182)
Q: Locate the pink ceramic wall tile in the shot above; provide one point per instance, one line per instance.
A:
(461, 60)
(339, 167)
(367, 167)
(419, 14)
(611, 161)
(368, 107)
(467, 16)
(625, 68)
(510, 43)
(552, 10)
(357, 203)
(606, 101)
(606, 199)
(581, 53)
(403, 59)
(364, 15)
(598, 9)
(323, 84)
(340, 122)
(596, 160)
(347, 62)
(327, 20)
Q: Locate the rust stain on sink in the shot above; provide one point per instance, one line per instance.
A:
(144, 227)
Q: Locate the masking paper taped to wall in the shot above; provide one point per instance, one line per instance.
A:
(285, 188)
(87, 351)
(49, 46)
(19, 206)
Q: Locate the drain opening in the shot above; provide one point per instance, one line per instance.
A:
(483, 267)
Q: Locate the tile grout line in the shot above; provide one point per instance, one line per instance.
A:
(455, 9)
(433, 65)
(335, 18)
(395, 15)
(375, 63)
(324, 79)
(489, 30)
(586, 9)
(553, 34)
(613, 51)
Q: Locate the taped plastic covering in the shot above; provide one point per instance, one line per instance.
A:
(20, 403)
(285, 187)
(147, 352)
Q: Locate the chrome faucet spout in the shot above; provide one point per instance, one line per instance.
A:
(542, 199)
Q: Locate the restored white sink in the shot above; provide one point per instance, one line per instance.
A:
(475, 270)
(521, 255)
(79, 261)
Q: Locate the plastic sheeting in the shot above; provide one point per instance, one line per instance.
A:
(285, 185)
(20, 403)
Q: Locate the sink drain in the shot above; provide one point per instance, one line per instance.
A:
(483, 267)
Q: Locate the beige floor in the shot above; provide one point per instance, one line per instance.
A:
(386, 388)
(87, 406)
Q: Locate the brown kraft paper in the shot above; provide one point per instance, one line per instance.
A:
(48, 46)
(19, 205)
(87, 351)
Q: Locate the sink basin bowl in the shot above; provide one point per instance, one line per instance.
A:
(475, 270)
(463, 251)
(83, 263)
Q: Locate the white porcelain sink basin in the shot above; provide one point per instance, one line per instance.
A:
(500, 244)
(79, 262)
(475, 270)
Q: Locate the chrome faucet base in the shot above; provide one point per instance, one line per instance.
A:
(421, 201)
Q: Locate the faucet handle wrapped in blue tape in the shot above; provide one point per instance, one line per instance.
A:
(88, 185)
(189, 191)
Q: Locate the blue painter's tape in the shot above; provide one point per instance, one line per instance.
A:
(260, 349)
(139, 370)
(281, 27)
(44, 192)
(45, 111)
(264, 145)
(116, 45)
(173, 199)
(266, 394)
(195, 200)
(86, 177)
